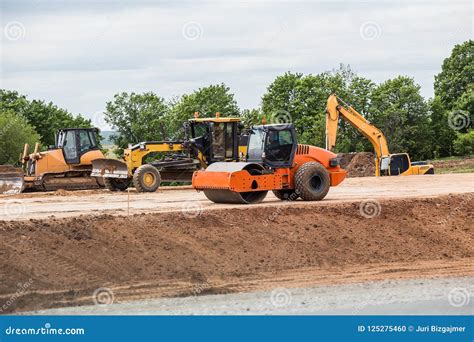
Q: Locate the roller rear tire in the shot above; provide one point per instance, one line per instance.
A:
(312, 181)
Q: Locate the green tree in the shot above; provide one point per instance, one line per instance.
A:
(464, 143)
(443, 134)
(46, 118)
(15, 131)
(456, 78)
(302, 100)
(137, 118)
(251, 117)
(398, 109)
(207, 101)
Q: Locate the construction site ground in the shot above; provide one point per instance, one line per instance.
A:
(58, 249)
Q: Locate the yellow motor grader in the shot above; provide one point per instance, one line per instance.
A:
(207, 140)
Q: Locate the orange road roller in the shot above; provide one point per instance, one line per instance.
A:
(275, 161)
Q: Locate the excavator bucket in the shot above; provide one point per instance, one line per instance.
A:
(230, 183)
(11, 180)
(109, 168)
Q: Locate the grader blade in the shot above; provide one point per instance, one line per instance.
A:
(11, 180)
(109, 168)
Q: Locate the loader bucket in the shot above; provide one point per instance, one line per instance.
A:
(11, 180)
(109, 168)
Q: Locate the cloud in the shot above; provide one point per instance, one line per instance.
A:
(80, 54)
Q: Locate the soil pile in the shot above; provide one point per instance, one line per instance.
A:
(359, 164)
(58, 262)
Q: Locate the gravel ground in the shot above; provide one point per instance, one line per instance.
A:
(43, 205)
(446, 296)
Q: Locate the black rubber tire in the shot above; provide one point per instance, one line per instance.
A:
(312, 181)
(117, 184)
(143, 171)
(286, 195)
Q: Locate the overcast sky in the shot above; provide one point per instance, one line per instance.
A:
(78, 54)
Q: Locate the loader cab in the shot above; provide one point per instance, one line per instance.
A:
(216, 138)
(272, 145)
(75, 142)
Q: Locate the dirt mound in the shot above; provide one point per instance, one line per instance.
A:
(360, 164)
(58, 262)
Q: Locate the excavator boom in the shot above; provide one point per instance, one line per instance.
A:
(334, 110)
(385, 162)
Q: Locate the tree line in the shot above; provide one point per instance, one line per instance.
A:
(438, 127)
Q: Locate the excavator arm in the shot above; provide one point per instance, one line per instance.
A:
(337, 108)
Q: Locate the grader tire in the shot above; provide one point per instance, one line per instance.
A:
(312, 181)
(116, 184)
(146, 178)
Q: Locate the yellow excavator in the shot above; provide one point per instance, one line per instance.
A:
(386, 163)
(66, 165)
(207, 140)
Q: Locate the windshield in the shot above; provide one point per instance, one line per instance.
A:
(199, 130)
(255, 148)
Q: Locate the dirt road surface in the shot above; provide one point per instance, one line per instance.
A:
(57, 262)
(43, 205)
(445, 296)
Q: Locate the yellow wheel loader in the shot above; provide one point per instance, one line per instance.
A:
(386, 163)
(207, 140)
(66, 165)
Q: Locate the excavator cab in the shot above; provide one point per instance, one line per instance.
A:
(394, 164)
(272, 145)
(400, 164)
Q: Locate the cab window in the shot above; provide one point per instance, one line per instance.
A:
(255, 145)
(69, 146)
(85, 141)
(279, 145)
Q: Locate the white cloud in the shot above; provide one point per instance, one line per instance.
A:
(78, 56)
